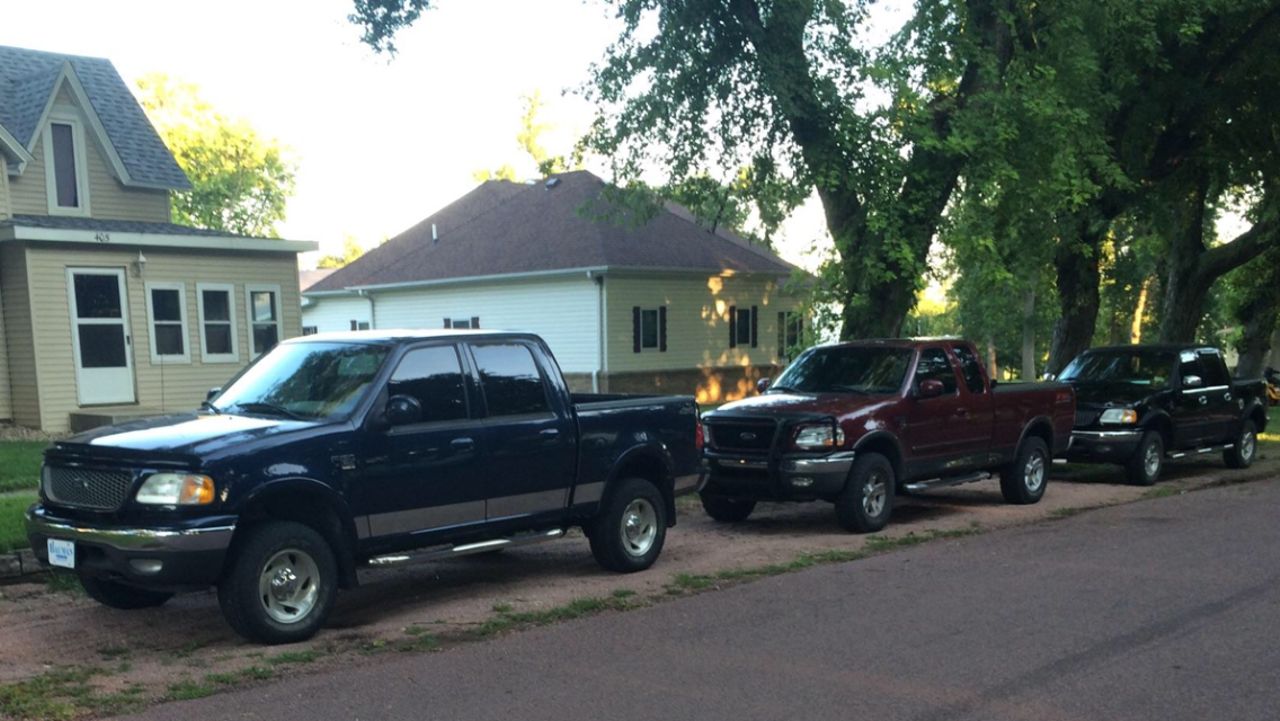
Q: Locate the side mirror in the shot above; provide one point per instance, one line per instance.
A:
(1192, 382)
(930, 388)
(762, 385)
(403, 410)
(213, 392)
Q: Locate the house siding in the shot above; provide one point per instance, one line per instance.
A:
(20, 377)
(561, 310)
(161, 387)
(5, 207)
(108, 198)
(330, 314)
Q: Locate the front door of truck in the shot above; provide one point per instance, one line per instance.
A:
(421, 473)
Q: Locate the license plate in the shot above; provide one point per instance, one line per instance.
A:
(62, 553)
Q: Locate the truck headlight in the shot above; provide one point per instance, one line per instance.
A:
(1120, 415)
(176, 489)
(819, 437)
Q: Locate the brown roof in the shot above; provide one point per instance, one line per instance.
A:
(566, 222)
(308, 278)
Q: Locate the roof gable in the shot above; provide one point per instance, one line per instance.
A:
(502, 228)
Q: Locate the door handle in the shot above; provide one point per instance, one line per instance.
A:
(463, 444)
(1204, 401)
(962, 411)
(549, 433)
(1226, 396)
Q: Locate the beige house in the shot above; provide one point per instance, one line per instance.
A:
(627, 304)
(108, 310)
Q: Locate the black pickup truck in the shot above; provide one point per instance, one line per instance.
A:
(334, 451)
(1140, 405)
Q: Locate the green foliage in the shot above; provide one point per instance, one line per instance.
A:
(380, 20)
(20, 464)
(13, 531)
(529, 139)
(351, 251)
(241, 182)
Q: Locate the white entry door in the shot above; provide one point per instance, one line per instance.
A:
(100, 335)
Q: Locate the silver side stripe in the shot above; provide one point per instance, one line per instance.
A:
(588, 493)
(527, 503)
(457, 514)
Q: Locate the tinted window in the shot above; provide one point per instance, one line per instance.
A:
(512, 385)
(970, 369)
(1189, 364)
(1215, 370)
(1137, 366)
(846, 369)
(307, 380)
(434, 377)
(935, 366)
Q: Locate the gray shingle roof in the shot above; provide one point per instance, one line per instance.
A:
(503, 227)
(27, 80)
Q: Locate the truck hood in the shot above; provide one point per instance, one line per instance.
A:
(836, 405)
(180, 438)
(1110, 395)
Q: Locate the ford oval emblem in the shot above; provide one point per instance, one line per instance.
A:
(748, 436)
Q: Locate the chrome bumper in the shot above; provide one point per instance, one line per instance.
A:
(212, 538)
(1106, 435)
(836, 463)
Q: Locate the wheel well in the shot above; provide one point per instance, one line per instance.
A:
(1259, 418)
(652, 469)
(887, 448)
(1043, 430)
(313, 510)
(1164, 427)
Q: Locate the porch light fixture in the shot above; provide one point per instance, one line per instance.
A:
(139, 265)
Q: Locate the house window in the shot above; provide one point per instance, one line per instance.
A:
(216, 306)
(167, 308)
(357, 325)
(743, 324)
(310, 330)
(467, 323)
(649, 329)
(264, 317)
(790, 333)
(65, 175)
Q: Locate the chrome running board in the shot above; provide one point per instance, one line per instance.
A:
(465, 549)
(947, 481)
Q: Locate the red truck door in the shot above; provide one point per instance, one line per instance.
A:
(937, 428)
(980, 426)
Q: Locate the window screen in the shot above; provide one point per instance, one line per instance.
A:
(935, 366)
(512, 384)
(434, 377)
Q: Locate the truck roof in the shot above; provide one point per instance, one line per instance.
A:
(404, 335)
(898, 342)
(1164, 347)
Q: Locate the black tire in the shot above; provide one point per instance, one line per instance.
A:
(628, 532)
(293, 550)
(1023, 481)
(726, 510)
(1143, 469)
(1245, 449)
(121, 596)
(865, 504)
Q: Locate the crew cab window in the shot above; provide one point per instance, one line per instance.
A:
(510, 379)
(434, 377)
(1190, 365)
(934, 365)
(1215, 370)
(970, 368)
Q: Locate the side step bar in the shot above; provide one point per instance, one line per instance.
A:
(465, 549)
(947, 481)
(1201, 451)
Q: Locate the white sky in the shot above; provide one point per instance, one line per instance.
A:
(380, 143)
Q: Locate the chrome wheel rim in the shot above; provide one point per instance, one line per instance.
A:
(639, 527)
(1248, 443)
(289, 586)
(1033, 474)
(1151, 460)
(874, 494)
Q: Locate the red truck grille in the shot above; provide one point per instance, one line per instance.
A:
(741, 436)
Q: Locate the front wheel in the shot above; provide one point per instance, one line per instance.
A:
(1148, 460)
(281, 583)
(1023, 481)
(118, 595)
(627, 534)
(726, 510)
(867, 500)
(1243, 451)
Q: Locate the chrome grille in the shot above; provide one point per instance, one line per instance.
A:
(748, 436)
(97, 488)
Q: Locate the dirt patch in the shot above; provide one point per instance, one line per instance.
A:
(184, 649)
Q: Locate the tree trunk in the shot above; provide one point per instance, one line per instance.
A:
(1029, 335)
(1076, 261)
(1275, 350)
(993, 367)
(1259, 312)
(1135, 329)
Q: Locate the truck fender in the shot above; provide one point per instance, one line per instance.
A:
(1031, 425)
(650, 461)
(1160, 422)
(294, 493)
(1256, 411)
(884, 443)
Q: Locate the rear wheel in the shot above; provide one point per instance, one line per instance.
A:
(628, 533)
(727, 510)
(281, 583)
(1245, 448)
(1023, 482)
(867, 500)
(1148, 460)
(121, 596)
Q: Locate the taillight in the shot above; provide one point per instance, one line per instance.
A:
(698, 438)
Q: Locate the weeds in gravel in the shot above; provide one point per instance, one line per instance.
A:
(295, 657)
(65, 693)
(188, 689)
(1161, 492)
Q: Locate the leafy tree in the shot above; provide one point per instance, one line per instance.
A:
(351, 251)
(529, 138)
(241, 182)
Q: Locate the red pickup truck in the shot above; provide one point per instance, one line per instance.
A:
(855, 422)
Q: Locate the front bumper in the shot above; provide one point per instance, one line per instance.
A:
(170, 557)
(794, 478)
(1109, 446)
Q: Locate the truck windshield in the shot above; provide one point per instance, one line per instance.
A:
(846, 370)
(1138, 367)
(304, 381)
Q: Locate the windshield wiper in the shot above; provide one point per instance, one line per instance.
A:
(271, 408)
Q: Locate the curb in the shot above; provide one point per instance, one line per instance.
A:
(17, 564)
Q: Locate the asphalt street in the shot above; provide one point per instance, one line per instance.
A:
(1165, 609)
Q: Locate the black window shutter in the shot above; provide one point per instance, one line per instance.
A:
(755, 316)
(782, 335)
(635, 329)
(448, 323)
(355, 325)
(733, 326)
(662, 328)
(475, 321)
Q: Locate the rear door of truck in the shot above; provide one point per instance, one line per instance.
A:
(528, 448)
(982, 410)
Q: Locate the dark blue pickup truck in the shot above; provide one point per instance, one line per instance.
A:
(335, 451)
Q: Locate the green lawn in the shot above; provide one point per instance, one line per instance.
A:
(20, 465)
(12, 533)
